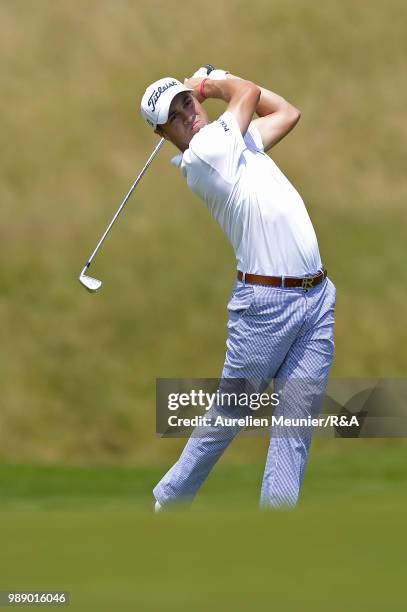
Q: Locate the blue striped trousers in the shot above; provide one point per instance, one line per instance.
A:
(285, 335)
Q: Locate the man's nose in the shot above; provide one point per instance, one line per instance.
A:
(189, 116)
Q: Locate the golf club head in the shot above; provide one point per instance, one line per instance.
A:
(90, 283)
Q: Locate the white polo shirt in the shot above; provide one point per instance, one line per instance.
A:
(259, 210)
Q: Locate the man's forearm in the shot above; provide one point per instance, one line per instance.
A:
(228, 89)
(269, 101)
(241, 96)
(277, 117)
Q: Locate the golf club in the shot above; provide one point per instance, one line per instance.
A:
(93, 284)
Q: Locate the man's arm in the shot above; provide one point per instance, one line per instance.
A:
(242, 97)
(277, 117)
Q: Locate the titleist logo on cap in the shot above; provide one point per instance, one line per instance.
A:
(152, 101)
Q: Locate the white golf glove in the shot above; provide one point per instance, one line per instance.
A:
(215, 75)
(218, 74)
(200, 73)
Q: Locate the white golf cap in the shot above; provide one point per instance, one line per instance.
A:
(155, 104)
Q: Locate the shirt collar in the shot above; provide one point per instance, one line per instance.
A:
(177, 160)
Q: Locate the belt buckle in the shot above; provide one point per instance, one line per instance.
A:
(307, 283)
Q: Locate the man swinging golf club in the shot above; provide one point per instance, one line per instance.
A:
(281, 312)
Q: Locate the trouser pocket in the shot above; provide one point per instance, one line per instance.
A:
(240, 302)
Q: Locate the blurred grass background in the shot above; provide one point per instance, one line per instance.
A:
(78, 371)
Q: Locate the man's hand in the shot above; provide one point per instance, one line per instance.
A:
(195, 80)
(217, 74)
(194, 84)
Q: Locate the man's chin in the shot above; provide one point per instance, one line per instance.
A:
(196, 128)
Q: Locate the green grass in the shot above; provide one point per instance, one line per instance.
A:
(92, 532)
(347, 557)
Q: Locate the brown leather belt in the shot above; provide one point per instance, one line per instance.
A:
(306, 283)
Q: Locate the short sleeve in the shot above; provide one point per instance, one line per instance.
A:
(253, 138)
(220, 145)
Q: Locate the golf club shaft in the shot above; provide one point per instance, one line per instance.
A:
(122, 205)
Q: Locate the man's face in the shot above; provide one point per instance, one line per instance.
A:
(185, 118)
